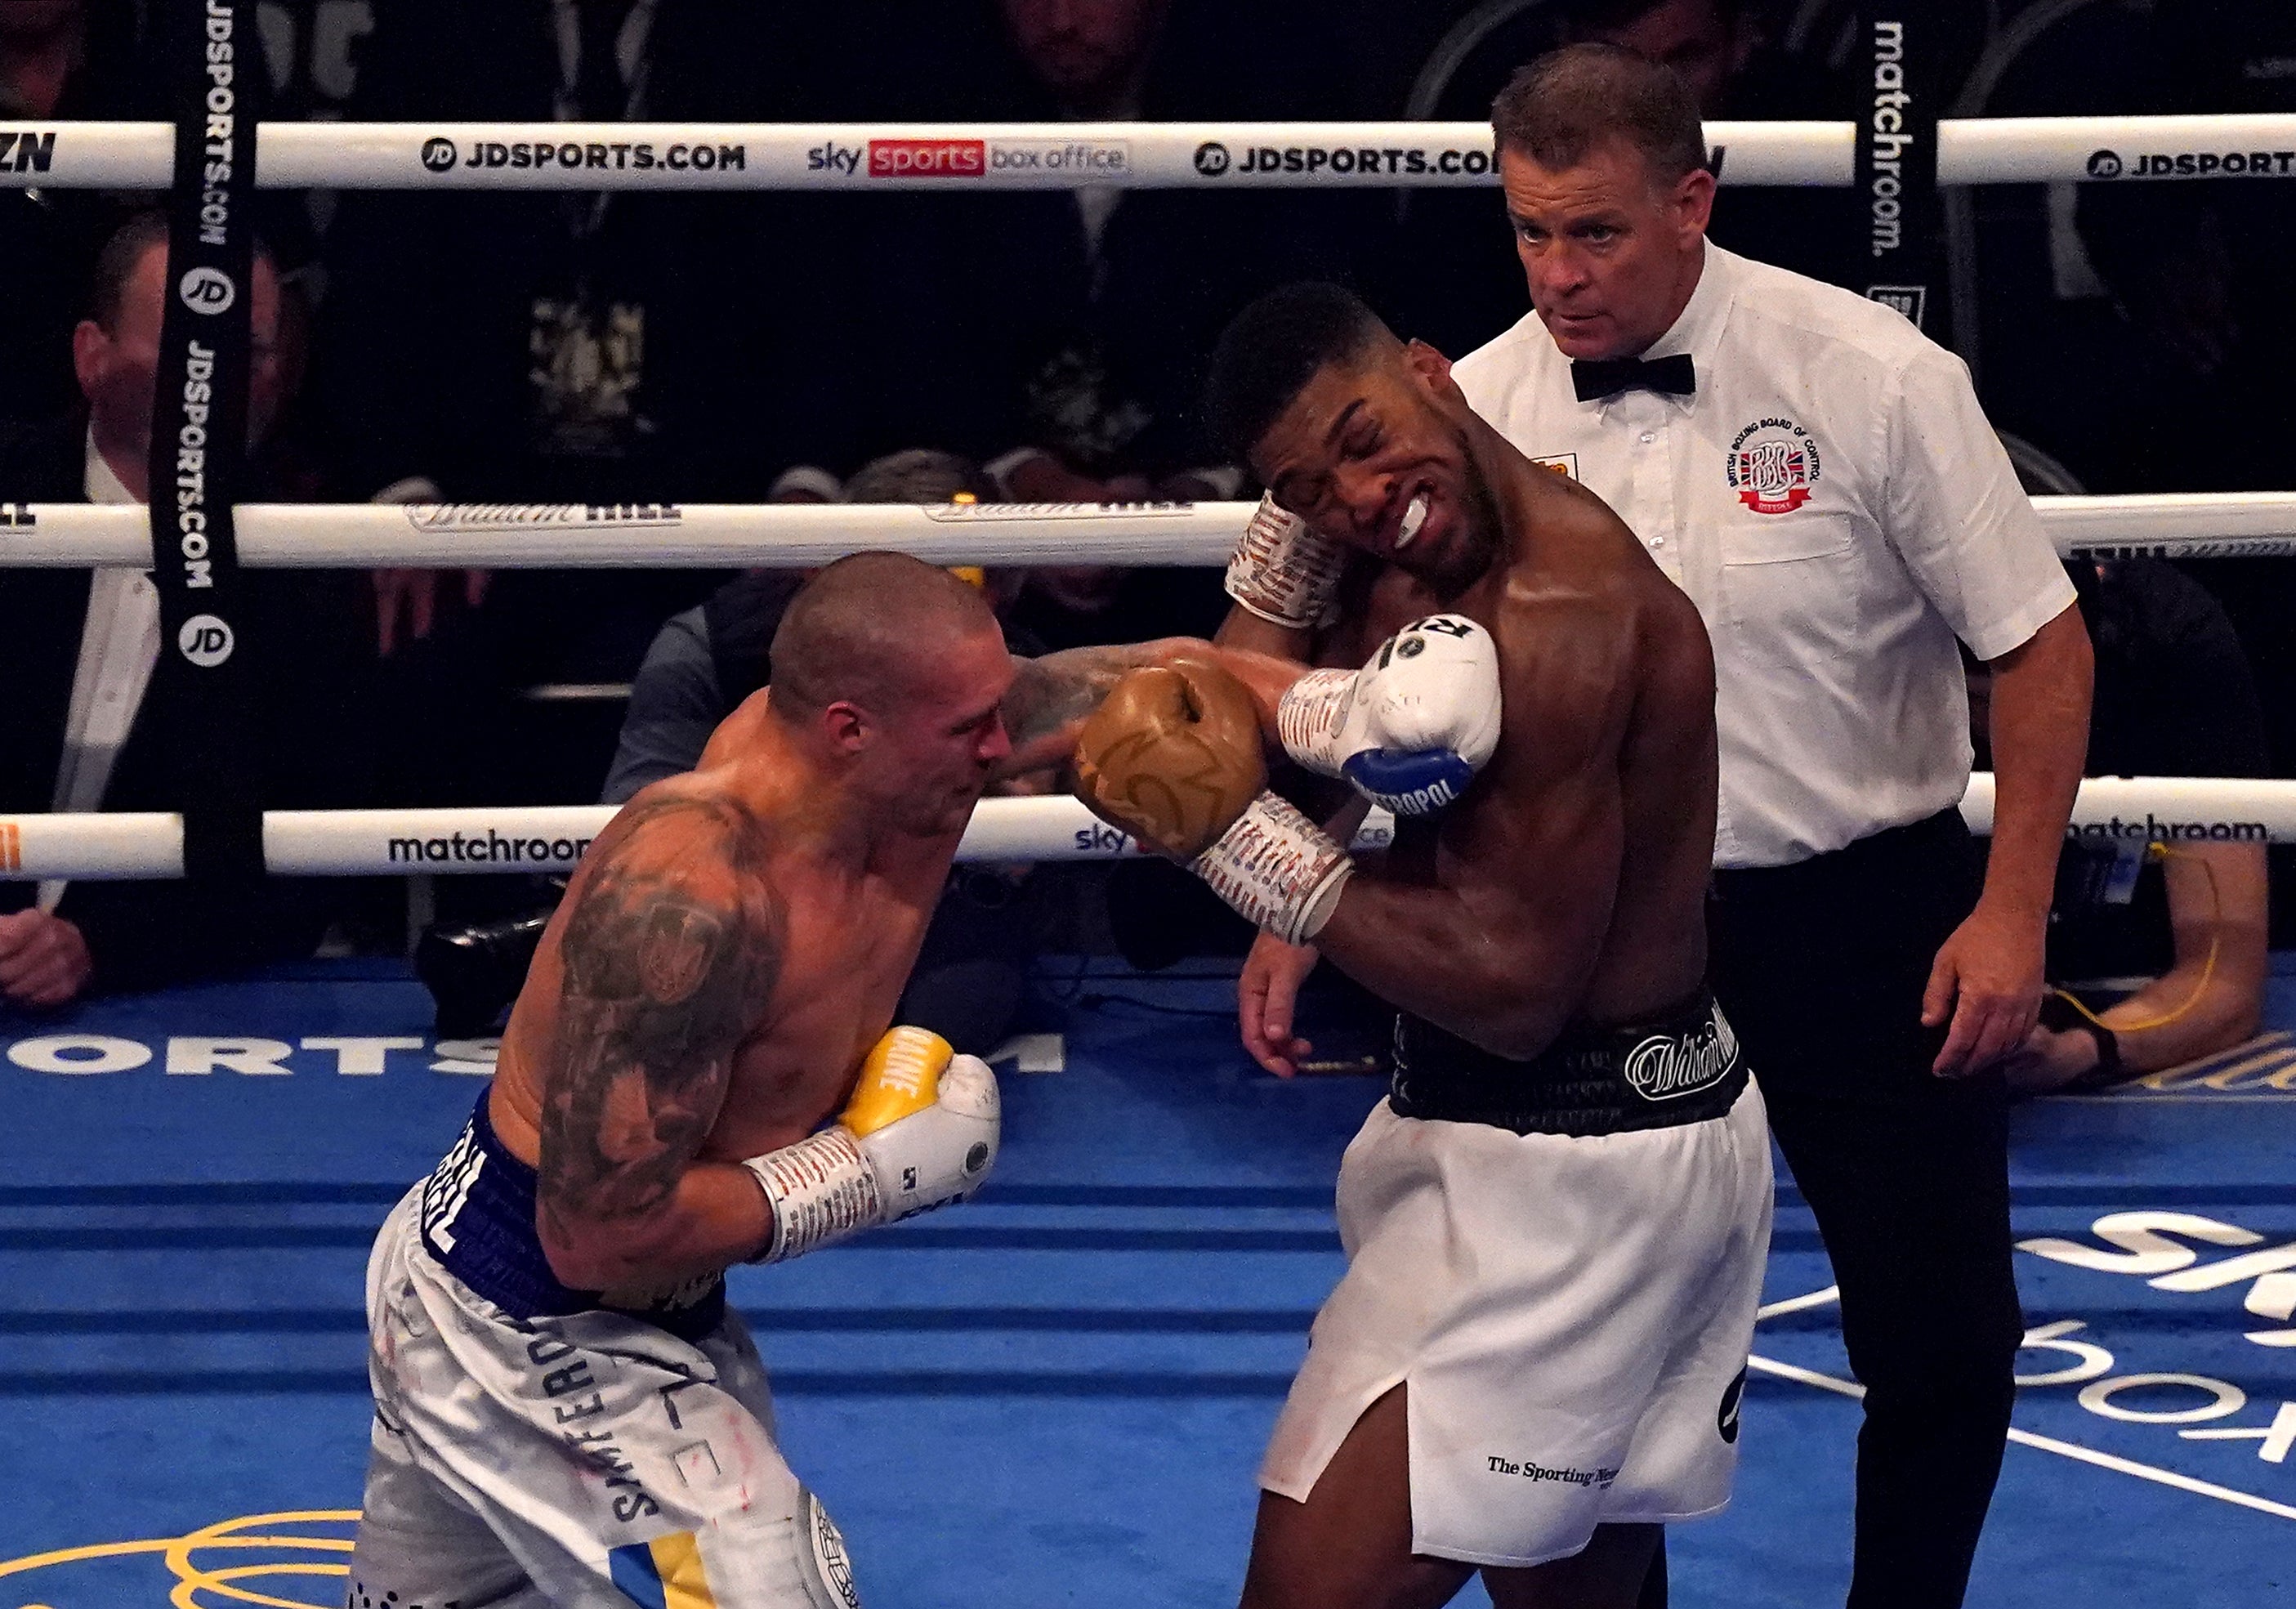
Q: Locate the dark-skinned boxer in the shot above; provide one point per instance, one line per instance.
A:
(1556, 1223)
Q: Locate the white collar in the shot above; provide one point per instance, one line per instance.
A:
(98, 482)
(1697, 329)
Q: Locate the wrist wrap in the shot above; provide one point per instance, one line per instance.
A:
(1311, 716)
(820, 1190)
(1277, 869)
(1282, 571)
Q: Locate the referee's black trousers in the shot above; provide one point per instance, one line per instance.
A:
(1820, 967)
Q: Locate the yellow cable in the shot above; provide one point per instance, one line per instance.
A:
(2161, 851)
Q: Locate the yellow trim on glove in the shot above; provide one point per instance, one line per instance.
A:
(900, 1077)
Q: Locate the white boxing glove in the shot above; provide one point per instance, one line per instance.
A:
(1412, 728)
(1282, 571)
(920, 1132)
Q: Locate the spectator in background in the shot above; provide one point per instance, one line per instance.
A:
(706, 659)
(969, 975)
(2160, 386)
(2182, 337)
(532, 346)
(2169, 381)
(1059, 334)
(1064, 332)
(77, 649)
(58, 59)
(581, 346)
(83, 59)
(2174, 698)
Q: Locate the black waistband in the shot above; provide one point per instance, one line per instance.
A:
(478, 1221)
(1679, 1066)
(1935, 846)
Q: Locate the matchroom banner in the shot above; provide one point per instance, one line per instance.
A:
(1900, 217)
(201, 686)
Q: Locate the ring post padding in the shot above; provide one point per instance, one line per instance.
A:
(203, 690)
(1899, 217)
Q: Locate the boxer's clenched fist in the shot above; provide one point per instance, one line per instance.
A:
(920, 1132)
(1172, 756)
(1411, 728)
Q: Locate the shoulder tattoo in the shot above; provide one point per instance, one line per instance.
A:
(666, 957)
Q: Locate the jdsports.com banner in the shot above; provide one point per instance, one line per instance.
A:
(200, 685)
(1133, 156)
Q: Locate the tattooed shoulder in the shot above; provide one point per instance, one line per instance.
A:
(667, 956)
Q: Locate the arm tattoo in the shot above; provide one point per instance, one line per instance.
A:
(668, 958)
(1052, 695)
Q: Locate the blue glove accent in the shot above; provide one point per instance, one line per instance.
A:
(1408, 784)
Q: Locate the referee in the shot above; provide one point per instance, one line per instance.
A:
(1817, 476)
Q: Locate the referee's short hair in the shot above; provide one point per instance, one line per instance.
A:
(1558, 109)
(1270, 351)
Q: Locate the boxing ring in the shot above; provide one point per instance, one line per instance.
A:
(1060, 1392)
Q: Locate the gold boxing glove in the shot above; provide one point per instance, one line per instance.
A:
(1172, 756)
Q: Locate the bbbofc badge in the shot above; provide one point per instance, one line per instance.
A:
(1772, 465)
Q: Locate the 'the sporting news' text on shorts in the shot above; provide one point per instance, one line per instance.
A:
(585, 1460)
(1570, 1315)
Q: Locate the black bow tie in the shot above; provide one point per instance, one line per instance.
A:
(1670, 377)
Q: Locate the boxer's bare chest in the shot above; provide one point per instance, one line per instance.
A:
(1392, 601)
(846, 954)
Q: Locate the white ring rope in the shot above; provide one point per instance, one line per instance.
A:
(360, 843)
(507, 536)
(497, 536)
(1059, 156)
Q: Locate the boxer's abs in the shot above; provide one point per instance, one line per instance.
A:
(1654, 955)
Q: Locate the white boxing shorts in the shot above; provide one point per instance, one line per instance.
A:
(1570, 1313)
(590, 1459)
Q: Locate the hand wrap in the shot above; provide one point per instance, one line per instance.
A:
(1277, 869)
(1284, 573)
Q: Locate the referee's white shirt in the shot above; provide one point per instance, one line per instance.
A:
(1835, 504)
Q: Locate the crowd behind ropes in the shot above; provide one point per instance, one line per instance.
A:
(919, 346)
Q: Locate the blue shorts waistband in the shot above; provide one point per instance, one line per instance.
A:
(478, 1223)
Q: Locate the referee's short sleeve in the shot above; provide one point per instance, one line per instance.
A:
(1952, 510)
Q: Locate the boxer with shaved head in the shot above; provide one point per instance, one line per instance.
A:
(566, 1411)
